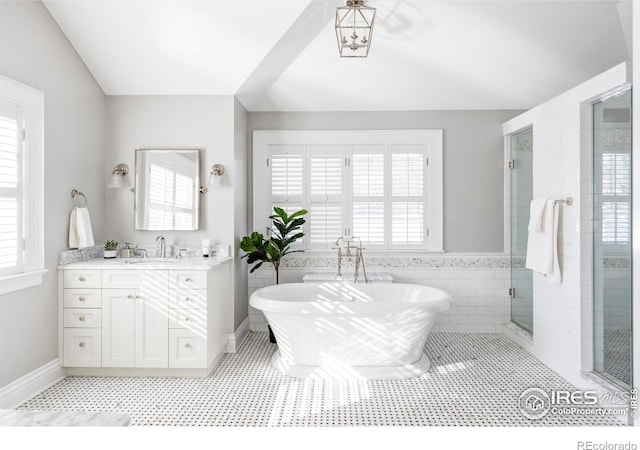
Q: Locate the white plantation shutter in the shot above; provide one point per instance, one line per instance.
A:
(286, 174)
(11, 181)
(287, 168)
(170, 199)
(368, 194)
(160, 198)
(185, 203)
(407, 198)
(616, 199)
(327, 193)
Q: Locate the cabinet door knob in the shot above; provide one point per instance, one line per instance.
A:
(81, 344)
(187, 319)
(130, 297)
(81, 318)
(138, 296)
(82, 299)
(81, 278)
(187, 279)
(187, 345)
(187, 299)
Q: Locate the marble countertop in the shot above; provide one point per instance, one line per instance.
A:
(190, 263)
(26, 418)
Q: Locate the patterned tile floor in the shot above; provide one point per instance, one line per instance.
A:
(475, 380)
(617, 354)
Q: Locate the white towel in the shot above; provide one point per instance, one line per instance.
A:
(80, 232)
(536, 214)
(542, 243)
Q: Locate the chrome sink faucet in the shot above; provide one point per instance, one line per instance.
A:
(163, 248)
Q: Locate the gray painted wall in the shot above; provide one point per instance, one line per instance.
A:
(73, 149)
(214, 124)
(473, 163)
(170, 122)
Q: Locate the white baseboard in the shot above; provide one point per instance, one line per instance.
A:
(235, 339)
(24, 388)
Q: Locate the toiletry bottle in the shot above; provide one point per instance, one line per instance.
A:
(205, 248)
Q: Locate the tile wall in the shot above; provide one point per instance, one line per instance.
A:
(478, 284)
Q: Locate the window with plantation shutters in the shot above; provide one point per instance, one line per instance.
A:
(383, 187)
(21, 186)
(11, 199)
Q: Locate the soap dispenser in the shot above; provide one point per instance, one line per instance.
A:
(127, 251)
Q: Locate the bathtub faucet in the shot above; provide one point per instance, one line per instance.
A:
(357, 254)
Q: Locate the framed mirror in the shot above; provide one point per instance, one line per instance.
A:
(166, 189)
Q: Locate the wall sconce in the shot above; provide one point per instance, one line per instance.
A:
(119, 178)
(217, 170)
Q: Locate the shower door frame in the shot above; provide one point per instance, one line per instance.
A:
(522, 335)
(587, 237)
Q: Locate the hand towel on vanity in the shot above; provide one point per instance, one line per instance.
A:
(542, 242)
(80, 232)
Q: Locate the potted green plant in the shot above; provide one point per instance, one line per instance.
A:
(285, 230)
(110, 249)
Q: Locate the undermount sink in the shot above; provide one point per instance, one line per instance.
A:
(151, 260)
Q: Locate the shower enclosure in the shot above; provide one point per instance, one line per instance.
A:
(612, 277)
(521, 193)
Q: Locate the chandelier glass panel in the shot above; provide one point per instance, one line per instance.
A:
(354, 28)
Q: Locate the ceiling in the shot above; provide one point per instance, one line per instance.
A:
(281, 55)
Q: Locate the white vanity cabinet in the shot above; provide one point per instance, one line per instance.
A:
(129, 320)
(187, 318)
(81, 318)
(135, 310)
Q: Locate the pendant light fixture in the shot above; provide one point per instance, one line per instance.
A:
(354, 28)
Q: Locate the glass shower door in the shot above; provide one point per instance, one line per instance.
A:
(612, 276)
(521, 193)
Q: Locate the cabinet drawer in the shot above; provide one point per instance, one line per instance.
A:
(78, 278)
(114, 279)
(187, 349)
(190, 319)
(188, 299)
(190, 279)
(82, 318)
(82, 298)
(82, 347)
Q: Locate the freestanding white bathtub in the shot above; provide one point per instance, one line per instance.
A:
(350, 331)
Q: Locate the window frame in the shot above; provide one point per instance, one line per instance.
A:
(32, 182)
(431, 139)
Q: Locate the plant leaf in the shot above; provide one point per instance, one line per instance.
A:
(302, 212)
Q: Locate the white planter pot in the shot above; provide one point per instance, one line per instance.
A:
(110, 253)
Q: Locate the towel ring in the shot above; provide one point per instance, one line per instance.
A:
(77, 196)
